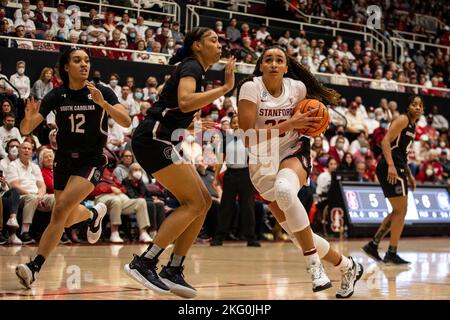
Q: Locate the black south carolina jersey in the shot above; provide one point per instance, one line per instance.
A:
(166, 112)
(82, 124)
(400, 145)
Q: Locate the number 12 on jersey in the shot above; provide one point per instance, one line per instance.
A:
(80, 119)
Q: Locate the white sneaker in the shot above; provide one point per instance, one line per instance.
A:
(14, 239)
(26, 275)
(349, 278)
(145, 237)
(320, 280)
(12, 223)
(115, 237)
(94, 230)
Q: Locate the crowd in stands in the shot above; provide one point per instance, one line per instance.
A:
(352, 142)
(341, 57)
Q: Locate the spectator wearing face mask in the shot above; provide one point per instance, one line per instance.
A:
(114, 84)
(429, 130)
(12, 151)
(151, 83)
(8, 131)
(377, 136)
(431, 171)
(337, 152)
(21, 81)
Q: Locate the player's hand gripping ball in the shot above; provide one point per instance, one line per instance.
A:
(322, 112)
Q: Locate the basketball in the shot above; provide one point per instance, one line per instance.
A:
(322, 111)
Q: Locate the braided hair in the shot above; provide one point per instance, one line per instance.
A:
(296, 71)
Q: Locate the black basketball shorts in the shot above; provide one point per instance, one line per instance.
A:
(400, 188)
(88, 166)
(151, 151)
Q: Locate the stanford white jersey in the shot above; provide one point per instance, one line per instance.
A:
(271, 111)
(274, 110)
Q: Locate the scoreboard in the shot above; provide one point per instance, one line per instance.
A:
(360, 207)
(367, 204)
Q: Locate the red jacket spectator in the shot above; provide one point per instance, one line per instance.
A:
(47, 174)
(435, 175)
(333, 153)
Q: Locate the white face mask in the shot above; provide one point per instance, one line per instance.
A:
(13, 152)
(137, 175)
(219, 28)
(429, 172)
(442, 144)
(20, 70)
(113, 82)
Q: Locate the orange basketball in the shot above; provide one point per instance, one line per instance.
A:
(322, 111)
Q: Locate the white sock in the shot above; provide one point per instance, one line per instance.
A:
(345, 263)
(312, 258)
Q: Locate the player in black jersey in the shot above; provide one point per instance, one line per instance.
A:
(82, 111)
(154, 149)
(393, 173)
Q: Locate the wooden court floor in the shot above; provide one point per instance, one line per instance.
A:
(275, 271)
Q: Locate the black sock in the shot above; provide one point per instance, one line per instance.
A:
(392, 249)
(38, 262)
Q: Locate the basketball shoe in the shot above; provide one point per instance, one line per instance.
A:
(320, 280)
(143, 270)
(27, 273)
(349, 278)
(173, 277)
(94, 230)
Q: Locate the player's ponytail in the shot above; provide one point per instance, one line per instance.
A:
(185, 51)
(314, 88)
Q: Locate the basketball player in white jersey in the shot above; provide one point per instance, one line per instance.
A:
(280, 162)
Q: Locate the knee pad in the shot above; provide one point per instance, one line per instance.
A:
(287, 187)
(286, 190)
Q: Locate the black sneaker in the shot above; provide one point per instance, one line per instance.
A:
(143, 270)
(394, 258)
(173, 277)
(253, 243)
(26, 239)
(372, 251)
(3, 240)
(65, 239)
(216, 243)
(27, 274)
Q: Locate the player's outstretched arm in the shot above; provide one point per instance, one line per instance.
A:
(189, 100)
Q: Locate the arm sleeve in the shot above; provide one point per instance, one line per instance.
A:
(108, 94)
(191, 68)
(249, 92)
